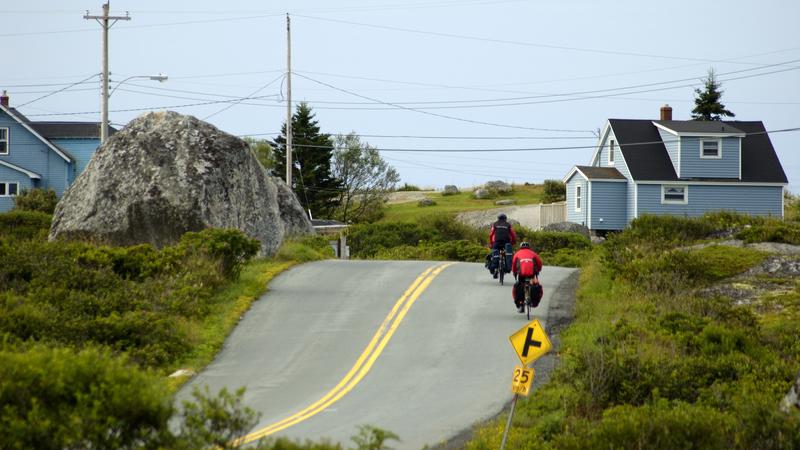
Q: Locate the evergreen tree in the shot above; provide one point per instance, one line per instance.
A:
(312, 181)
(707, 104)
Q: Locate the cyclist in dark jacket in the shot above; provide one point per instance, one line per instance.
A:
(501, 235)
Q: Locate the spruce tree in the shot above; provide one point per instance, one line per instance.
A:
(707, 104)
(312, 181)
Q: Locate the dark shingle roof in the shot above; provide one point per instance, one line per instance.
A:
(606, 173)
(52, 130)
(644, 153)
(698, 126)
(648, 160)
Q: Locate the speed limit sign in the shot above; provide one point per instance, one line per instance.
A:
(522, 380)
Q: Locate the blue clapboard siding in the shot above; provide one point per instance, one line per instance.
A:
(672, 143)
(29, 152)
(572, 215)
(80, 149)
(8, 175)
(609, 203)
(692, 166)
(755, 200)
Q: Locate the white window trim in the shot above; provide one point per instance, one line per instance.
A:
(719, 149)
(685, 200)
(7, 184)
(578, 198)
(8, 141)
(611, 150)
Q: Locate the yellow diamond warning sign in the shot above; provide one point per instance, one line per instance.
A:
(530, 342)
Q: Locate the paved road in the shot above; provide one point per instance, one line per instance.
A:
(372, 342)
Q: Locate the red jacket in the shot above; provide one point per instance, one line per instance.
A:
(528, 261)
(511, 233)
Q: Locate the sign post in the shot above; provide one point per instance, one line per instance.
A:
(530, 343)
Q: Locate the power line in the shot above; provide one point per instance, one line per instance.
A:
(408, 136)
(460, 119)
(504, 41)
(239, 101)
(59, 90)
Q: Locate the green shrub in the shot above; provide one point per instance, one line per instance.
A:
(55, 398)
(230, 247)
(551, 241)
(436, 251)
(791, 207)
(39, 200)
(24, 225)
(367, 240)
(408, 187)
(669, 229)
(786, 233)
(660, 425)
(554, 191)
(449, 229)
(305, 249)
(566, 257)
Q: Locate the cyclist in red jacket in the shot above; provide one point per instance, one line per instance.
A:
(525, 265)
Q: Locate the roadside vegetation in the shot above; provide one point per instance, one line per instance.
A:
(678, 342)
(88, 334)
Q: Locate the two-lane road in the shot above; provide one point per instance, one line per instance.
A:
(418, 348)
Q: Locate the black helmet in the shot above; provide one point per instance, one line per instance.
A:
(525, 245)
(501, 217)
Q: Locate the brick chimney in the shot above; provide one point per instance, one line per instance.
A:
(666, 112)
(4, 99)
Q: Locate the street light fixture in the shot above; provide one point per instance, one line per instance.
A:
(104, 124)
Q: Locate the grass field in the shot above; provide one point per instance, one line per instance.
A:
(410, 212)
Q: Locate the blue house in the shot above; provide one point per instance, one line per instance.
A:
(47, 155)
(676, 167)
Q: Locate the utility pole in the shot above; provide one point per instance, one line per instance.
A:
(104, 22)
(288, 102)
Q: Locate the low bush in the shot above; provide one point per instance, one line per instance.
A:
(305, 249)
(230, 247)
(40, 200)
(786, 233)
(437, 251)
(554, 191)
(24, 225)
(551, 241)
(367, 240)
(408, 188)
(566, 257)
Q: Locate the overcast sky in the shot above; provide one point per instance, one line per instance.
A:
(417, 74)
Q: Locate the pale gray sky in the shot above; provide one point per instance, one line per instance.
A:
(511, 74)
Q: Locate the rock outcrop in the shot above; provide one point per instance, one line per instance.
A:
(165, 174)
(568, 227)
(450, 189)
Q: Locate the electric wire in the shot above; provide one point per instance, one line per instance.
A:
(59, 90)
(460, 119)
(239, 101)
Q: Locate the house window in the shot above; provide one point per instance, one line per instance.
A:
(3, 141)
(710, 149)
(611, 147)
(9, 189)
(675, 194)
(577, 198)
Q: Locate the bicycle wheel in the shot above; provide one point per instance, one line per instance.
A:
(501, 267)
(528, 299)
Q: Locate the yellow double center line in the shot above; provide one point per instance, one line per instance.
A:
(364, 362)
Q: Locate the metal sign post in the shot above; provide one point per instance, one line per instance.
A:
(530, 343)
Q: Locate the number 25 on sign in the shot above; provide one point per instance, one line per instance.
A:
(521, 383)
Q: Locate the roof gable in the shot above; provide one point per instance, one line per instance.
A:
(22, 120)
(643, 150)
(699, 128)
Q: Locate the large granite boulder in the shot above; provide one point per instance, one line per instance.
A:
(165, 174)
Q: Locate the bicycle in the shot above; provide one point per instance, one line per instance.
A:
(501, 266)
(529, 295)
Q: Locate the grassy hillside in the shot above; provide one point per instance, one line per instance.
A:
(410, 212)
(674, 345)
